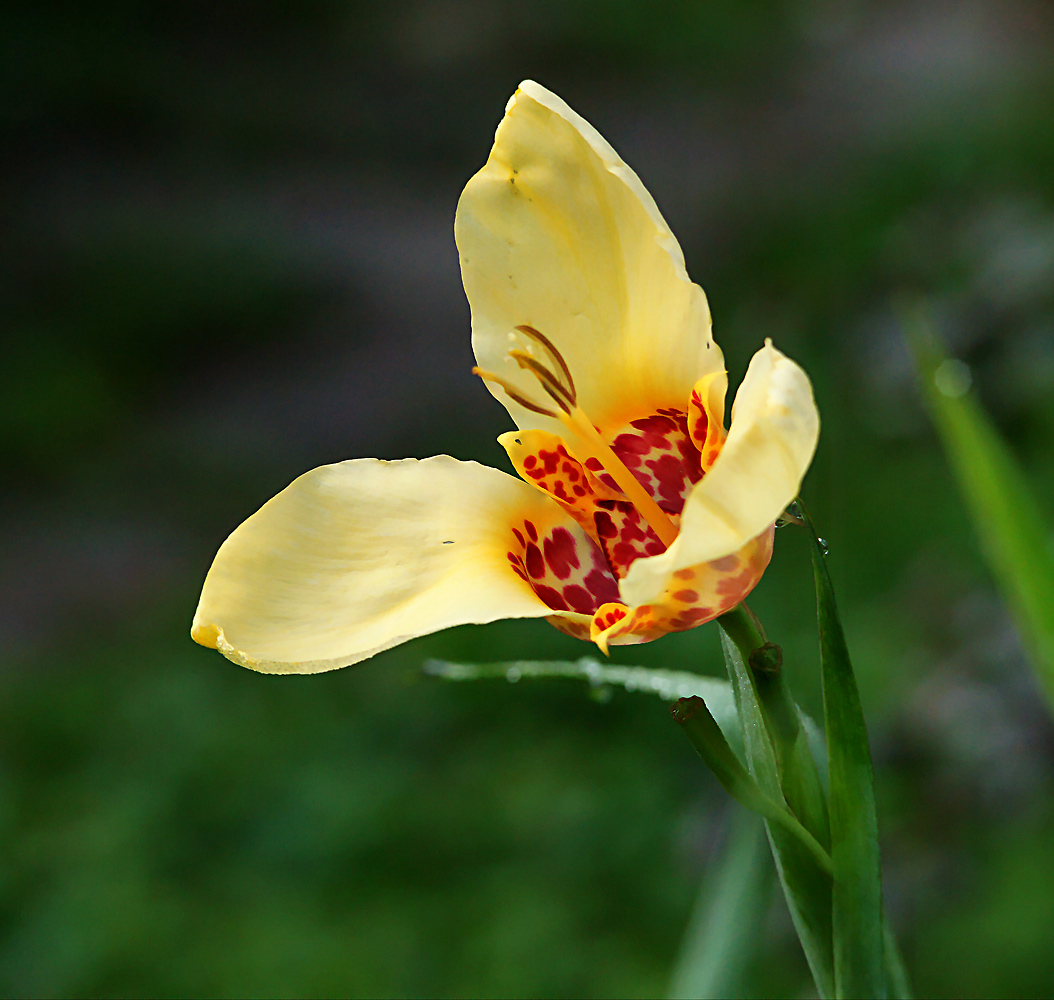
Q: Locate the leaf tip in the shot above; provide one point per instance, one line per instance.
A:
(684, 708)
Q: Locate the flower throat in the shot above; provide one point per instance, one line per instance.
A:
(561, 389)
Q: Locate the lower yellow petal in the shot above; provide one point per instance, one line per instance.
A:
(694, 596)
(354, 558)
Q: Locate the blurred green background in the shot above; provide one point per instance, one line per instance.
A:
(228, 258)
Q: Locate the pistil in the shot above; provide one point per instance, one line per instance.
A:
(596, 447)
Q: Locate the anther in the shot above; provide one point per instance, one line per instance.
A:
(513, 393)
(549, 381)
(547, 344)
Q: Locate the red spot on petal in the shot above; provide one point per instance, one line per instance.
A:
(670, 474)
(629, 444)
(580, 599)
(519, 537)
(632, 531)
(551, 597)
(531, 530)
(687, 596)
(530, 462)
(602, 586)
(655, 424)
(695, 615)
(605, 526)
(560, 553)
(534, 561)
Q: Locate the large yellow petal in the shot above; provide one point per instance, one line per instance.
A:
(771, 441)
(556, 232)
(354, 558)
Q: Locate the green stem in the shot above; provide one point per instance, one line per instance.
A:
(744, 628)
(766, 661)
(799, 776)
(709, 742)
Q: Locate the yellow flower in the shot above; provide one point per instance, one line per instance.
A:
(637, 514)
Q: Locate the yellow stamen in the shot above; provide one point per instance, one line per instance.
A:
(512, 392)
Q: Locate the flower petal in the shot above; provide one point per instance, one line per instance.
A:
(771, 441)
(557, 233)
(706, 416)
(354, 558)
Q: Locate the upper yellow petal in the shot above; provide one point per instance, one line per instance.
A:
(557, 233)
(771, 441)
(354, 558)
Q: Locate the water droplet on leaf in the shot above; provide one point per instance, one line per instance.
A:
(512, 675)
(790, 516)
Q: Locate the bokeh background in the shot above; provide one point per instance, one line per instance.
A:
(227, 258)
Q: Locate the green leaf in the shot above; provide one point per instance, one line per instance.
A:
(899, 983)
(1014, 536)
(806, 887)
(667, 684)
(859, 952)
(726, 923)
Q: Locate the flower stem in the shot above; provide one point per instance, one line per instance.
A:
(799, 776)
(705, 735)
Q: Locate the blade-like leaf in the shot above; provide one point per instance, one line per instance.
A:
(859, 955)
(896, 971)
(670, 685)
(806, 888)
(726, 923)
(1015, 538)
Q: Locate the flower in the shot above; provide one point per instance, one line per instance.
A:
(636, 514)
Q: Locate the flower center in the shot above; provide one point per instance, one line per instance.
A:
(589, 444)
